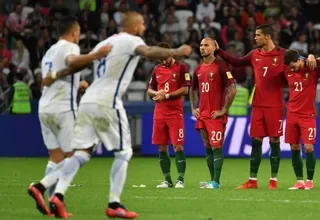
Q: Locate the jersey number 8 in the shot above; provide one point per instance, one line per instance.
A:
(166, 87)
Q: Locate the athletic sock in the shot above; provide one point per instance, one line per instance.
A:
(218, 159)
(275, 159)
(297, 164)
(209, 158)
(165, 164)
(180, 164)
(255, 159)
(310, 164)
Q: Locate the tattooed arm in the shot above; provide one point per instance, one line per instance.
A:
(231, 93)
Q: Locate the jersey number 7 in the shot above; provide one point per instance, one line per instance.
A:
(265, 70)
(49, 64)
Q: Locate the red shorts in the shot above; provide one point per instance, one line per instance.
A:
(215, 129)
(168, 129)
(266, 122)
(299, 127)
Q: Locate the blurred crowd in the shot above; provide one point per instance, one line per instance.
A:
(29, 27)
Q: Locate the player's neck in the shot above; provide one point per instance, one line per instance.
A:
(66, 38)
(209, 59)
(172, 62)
(270, 46)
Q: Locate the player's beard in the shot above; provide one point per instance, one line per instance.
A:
(207, 55)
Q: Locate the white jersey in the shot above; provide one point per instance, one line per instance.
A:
(113, 73)
(61, 96)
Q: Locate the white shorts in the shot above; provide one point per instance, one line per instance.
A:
(57, 129)
(97, 123)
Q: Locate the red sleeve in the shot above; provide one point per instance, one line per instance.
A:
(153, 81)
(184, 75)
(195, 82)
(236, 61)
(225, 73)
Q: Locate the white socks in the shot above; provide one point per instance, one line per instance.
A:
(118, 174)
(70, 169)
(52, 177)
(50, 167)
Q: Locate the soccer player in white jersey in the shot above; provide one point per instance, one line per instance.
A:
(57, 105)
(101, 114)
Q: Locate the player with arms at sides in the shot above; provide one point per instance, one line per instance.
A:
(57, 105)
(101, 114)
(215, 86)
(169, 83)
(301, 115)
(268, 103)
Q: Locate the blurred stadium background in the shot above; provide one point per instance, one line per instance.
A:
(29, 27)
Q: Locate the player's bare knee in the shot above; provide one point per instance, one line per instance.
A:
(163, 148)
(274, 139)
(308, 148)
(295, 146)
(177, 148)
(69, 154)
(124, 154)
(56, 155)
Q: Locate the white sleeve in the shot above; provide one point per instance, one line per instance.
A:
(134, 43)
(71, 49)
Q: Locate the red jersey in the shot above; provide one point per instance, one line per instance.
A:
(302, 91)
(211, 80)
(169, 79)
(269, 77)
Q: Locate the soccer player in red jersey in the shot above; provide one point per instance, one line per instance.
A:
(215, 85)
(301, 115)
(169, 83)
(268, 104)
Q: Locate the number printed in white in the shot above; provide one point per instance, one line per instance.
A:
(280, 126)
(312, 133)
(265, 70)
(181, 133)
(298, 86)
(216, 136)
(166, 87)
(205, 87)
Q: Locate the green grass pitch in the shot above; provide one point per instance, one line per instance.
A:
(192, 203)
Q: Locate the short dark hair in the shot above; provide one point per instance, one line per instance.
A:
(266, 29)
(164, 45)
(291, 56)
(66, 24)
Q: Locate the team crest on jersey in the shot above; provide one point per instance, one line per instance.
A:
(306, 76)
(211, 76)
(275, 61)
(174, 76)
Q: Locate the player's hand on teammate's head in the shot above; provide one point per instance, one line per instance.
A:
(216, 45)
(48, 80)
(196, 112)
(103, 51)
(217, 114)
(311, 62)
(184, 50)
